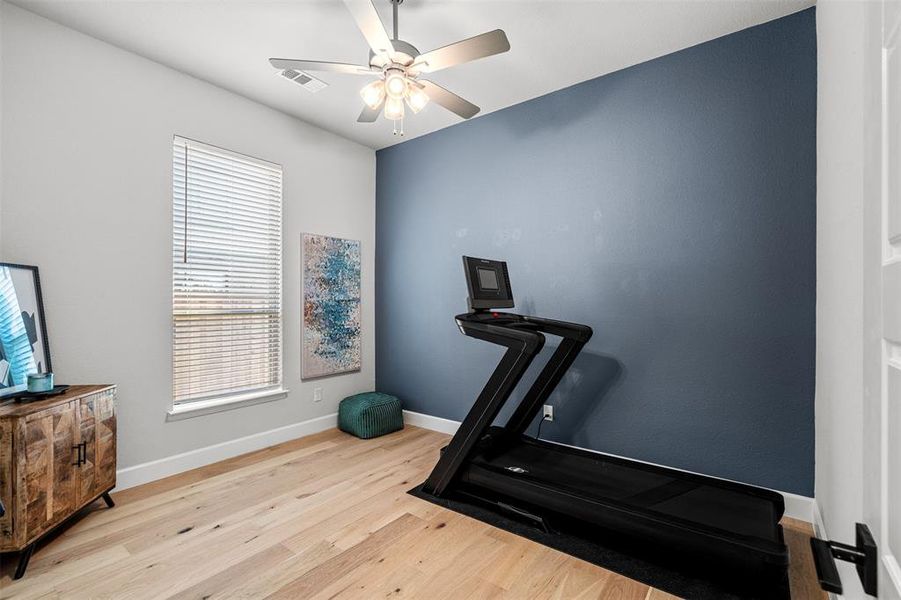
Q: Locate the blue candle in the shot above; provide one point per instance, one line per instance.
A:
(40, 382)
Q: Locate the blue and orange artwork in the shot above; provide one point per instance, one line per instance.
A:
(331, 306)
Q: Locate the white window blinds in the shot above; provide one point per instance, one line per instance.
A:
(226, 273)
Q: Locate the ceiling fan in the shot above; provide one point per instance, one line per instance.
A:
(399, 67)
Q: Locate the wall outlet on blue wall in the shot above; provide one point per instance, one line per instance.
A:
(548, 412)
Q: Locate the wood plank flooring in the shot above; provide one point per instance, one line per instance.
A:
(323, 517)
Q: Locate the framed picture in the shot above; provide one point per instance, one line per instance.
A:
(331, 306)
(23, 329)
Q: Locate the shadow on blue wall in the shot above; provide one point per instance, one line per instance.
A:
(582, 394)
(671, 206)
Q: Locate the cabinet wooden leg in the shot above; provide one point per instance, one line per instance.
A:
(24, 557)
(108, 500)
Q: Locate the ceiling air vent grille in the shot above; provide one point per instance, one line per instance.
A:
(304, 80)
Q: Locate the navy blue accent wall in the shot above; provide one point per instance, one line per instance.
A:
(671, 206)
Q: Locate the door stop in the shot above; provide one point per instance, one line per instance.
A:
(863, 555)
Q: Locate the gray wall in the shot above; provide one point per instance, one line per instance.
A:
(87, 196)
(672, 207)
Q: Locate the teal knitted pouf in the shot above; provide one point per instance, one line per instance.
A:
(370, 415)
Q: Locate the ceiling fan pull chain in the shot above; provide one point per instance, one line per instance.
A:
(398, 132)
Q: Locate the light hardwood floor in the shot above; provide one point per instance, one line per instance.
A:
(326, 516)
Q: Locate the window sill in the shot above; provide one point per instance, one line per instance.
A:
(214, 405)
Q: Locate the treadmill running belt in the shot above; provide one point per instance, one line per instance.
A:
(708, 502)
(654, 496)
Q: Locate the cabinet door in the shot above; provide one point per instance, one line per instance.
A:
(87, 476)
(105, 446)
(98, 433)
(50, 474)
(7, 456)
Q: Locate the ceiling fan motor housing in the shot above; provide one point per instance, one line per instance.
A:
(404, 55)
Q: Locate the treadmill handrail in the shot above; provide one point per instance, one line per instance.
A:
(544, 384)
(514, 322)
(504, 336)
(505, 326)
(522, 346)
(565, 329)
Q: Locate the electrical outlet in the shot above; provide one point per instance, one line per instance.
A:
(548, 412)
(317, 394)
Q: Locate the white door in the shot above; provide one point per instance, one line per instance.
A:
(882, 317)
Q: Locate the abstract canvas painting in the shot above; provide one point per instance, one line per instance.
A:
(331, 306)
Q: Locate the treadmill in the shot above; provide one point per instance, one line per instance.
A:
(716, 528)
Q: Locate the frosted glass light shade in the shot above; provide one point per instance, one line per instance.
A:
(394, 109)
(373, 94)
(416, 99)
(396, 85)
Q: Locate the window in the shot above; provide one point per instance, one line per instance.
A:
(226, 276)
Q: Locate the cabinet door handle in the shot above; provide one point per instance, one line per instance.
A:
(81, 456)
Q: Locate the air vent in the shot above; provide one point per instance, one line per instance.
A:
(304, 80)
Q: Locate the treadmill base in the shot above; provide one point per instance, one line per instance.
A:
(613, 558)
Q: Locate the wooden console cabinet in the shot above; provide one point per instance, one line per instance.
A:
(56, 456)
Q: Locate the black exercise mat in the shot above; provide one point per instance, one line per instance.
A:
(640, 569)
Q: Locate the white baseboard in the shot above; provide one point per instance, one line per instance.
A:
(799, 507)
(819, 526)
(172, 465)
(796, 507)
(429, 422)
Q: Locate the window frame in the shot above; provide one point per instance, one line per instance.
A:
(217, 402)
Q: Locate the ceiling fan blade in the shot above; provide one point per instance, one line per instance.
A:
(448, 100)
(317, 65)
(480, 46)
(370, 25)
(369, 115)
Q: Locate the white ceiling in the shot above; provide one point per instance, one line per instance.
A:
(554, 44)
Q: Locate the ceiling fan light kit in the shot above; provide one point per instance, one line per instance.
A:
(416, 98)
(395, 82)
(373, 94)
(399, 67)
(394, 109)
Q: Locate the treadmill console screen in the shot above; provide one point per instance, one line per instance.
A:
(488, 283)
(487, 278)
